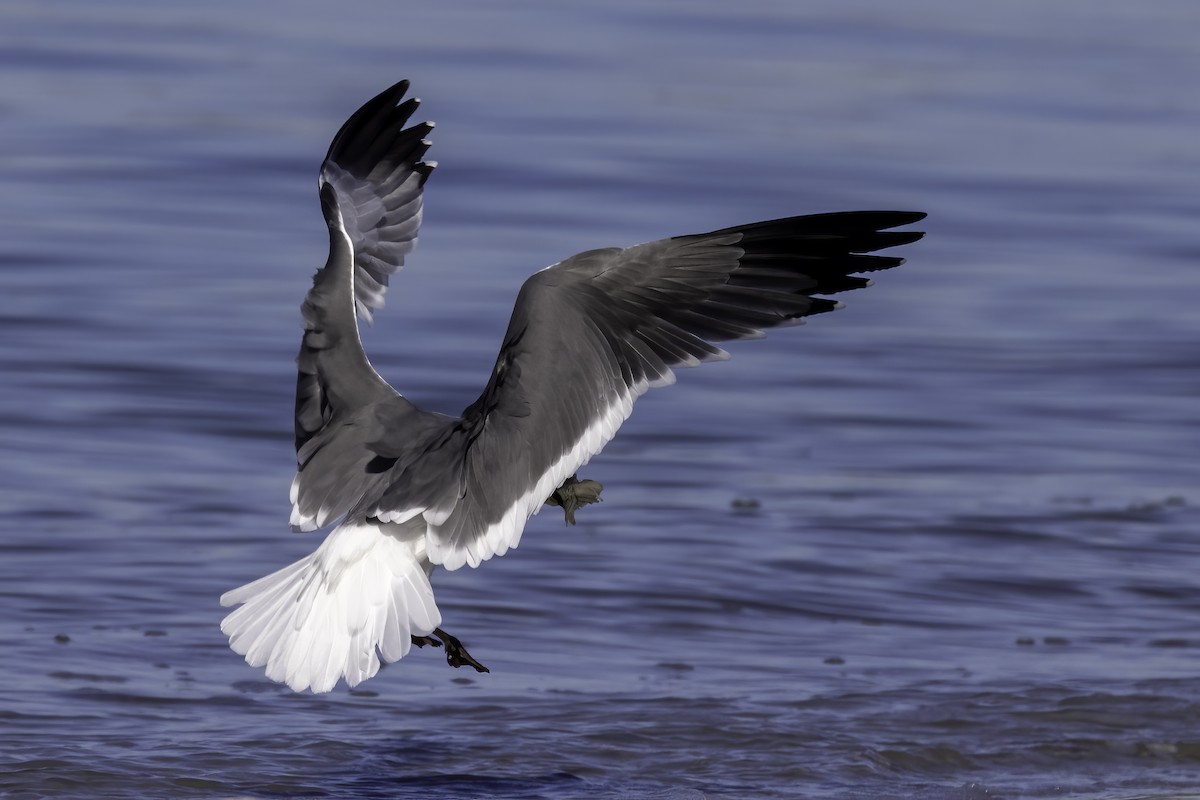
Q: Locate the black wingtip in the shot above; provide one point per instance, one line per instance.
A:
(406, 108)
(384, 110)
(904, 217)
(836, 223)
(883, 238)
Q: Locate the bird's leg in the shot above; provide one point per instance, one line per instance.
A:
(575, 494)
(456, 654)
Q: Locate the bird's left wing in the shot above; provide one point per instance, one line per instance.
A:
(591, 334)
(371, 187)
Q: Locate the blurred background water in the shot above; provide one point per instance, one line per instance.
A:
(942, 544)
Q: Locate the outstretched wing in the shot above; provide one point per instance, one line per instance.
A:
(591, 334)
(370, 183)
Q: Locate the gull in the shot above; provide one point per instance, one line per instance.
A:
(408, 490)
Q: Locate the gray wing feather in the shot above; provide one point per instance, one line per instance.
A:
(591, 334)
(371, 187)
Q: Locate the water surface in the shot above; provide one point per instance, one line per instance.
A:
(942, 544)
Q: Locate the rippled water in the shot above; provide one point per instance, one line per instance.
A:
(942, 544)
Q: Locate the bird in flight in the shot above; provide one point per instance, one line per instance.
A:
(409, 490)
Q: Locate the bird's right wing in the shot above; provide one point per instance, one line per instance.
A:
(591, 334)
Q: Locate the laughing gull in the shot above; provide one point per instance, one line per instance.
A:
(410, 490)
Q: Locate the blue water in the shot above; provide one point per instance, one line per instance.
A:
(941, 544)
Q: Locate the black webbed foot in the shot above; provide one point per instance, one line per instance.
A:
(573, 495)
(421, 641)
(456, 654)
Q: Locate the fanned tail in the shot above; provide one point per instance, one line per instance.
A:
(336, 613)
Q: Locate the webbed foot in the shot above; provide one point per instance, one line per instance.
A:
(573, 495)
(456, 654)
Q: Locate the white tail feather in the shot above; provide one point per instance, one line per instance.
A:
(363, 593)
